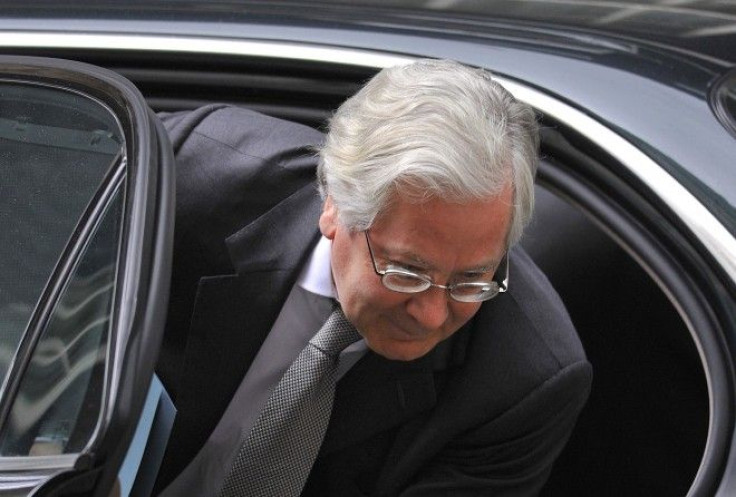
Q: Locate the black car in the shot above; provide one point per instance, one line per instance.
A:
(635, 224)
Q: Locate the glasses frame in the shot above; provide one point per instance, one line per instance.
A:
(502, 285)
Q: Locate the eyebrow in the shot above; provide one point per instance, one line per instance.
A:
(428, 266)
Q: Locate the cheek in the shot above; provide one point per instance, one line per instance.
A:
(358, 287)
(371, 307)
(369, 298)
(461, 314)
(343, 268)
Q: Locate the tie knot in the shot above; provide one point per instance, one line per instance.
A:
(336, 334)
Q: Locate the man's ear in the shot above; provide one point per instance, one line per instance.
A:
(328, 219)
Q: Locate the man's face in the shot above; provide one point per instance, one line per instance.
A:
(446, 241)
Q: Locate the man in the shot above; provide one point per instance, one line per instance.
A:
(457, 387)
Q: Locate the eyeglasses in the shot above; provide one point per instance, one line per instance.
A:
(404, 281)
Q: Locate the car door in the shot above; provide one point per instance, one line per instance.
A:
(86, 221)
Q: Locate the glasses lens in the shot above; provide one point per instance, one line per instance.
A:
(474, 292)
(399, 281)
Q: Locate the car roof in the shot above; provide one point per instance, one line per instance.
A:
(646, 70)
(704, 27)
(701, 28)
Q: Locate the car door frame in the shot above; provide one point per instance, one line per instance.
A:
(141, 285)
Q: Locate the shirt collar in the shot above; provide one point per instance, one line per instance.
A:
(316, 276)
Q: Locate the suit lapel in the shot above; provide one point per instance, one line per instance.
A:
(234, 313)
(378, 394)
(280, 240)
(398, 464)
(375, 396)
(267, 255)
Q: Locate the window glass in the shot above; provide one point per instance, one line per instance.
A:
(729, 101)
(55, 148)
(723, 101)
(59, 400)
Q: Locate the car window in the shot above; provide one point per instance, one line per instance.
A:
(56, 408)
(729, 101)
(86, 206)
(724, 101)
(55, 148)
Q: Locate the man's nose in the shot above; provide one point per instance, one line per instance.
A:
(429, 308)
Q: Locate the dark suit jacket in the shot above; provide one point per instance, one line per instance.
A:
(485, 413)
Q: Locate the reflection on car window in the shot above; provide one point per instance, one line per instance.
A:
(55, 148)
(59, 400)
(729, 100)
(723, 101)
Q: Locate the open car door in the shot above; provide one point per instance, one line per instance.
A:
(86, 221)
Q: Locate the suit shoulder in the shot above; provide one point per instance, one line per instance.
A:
(544, 311)
(523, 338)
(238, 128)
(233, 164)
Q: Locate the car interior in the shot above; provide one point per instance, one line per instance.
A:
(645, 426)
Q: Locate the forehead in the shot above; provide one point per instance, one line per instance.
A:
(437, 230)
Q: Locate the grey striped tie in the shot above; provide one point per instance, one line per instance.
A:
(277, 455)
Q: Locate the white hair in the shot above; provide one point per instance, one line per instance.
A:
(430, 129)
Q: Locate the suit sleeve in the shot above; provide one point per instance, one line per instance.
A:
(512, 454)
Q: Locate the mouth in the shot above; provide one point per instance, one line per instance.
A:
(409, 333)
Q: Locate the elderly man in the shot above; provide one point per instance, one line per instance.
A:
(466, 377)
